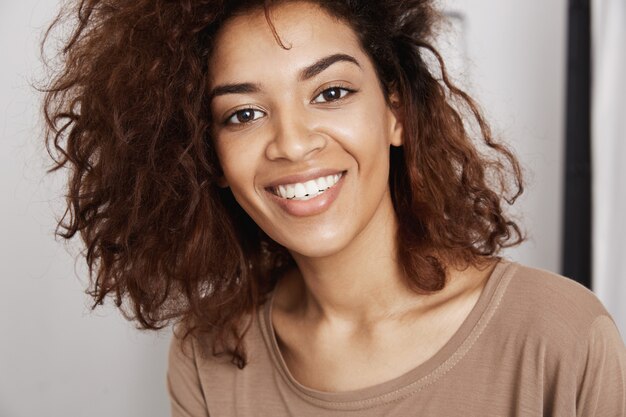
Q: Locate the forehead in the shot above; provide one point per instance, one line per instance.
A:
(246, 43)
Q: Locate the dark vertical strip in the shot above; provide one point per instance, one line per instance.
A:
(576, 262)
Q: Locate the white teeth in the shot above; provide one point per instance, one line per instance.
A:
(291, 192)
(321, 183)
(311, 187)
(300, 190)
(308, 189)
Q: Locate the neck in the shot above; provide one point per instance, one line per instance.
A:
(360, 284)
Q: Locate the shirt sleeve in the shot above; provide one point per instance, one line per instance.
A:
(183, 381)
(603, 389)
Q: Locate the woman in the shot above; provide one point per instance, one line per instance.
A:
(293, 184)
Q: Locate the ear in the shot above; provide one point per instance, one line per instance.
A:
(396, 120)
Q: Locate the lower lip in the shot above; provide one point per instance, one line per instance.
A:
(311, 207)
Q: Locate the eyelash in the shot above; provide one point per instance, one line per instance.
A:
(334, 87)
(343, 92)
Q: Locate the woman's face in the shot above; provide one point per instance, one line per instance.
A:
(302, 133)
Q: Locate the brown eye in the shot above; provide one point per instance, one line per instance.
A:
(331, 94)
(244, 116)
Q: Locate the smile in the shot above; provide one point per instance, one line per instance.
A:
(306, 190)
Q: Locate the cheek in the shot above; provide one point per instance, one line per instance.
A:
(362, 131)
(237, 159)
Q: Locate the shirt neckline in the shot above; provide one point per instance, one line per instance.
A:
(413, 380)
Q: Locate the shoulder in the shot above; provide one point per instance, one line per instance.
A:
(199, 380)
(203, 348)
(557, 331)
(558, 322)
(200, 359)
(184, 384)
(548, 304)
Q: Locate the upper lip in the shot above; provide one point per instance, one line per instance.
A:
(304, 176)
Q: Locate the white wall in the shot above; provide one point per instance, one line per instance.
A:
(57, 359)
(515, 66)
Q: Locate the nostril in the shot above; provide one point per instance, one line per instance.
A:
(294, 142)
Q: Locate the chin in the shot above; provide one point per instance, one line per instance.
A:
(316, 246)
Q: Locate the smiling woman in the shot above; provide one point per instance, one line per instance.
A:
(301, 193)
(324, 116)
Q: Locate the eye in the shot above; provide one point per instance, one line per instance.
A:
(332, 94)
(244, 116)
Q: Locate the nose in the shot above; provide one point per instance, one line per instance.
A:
(294, 137)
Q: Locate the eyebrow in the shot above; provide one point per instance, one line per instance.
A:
(321, 64)
(305, 74)
(241, 88)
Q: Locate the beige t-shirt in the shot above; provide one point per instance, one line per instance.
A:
(535, 344)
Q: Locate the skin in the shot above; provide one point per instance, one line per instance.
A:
(344, 318)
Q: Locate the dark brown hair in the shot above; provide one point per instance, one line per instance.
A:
(127, 115)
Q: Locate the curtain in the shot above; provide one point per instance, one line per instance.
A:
(609, 155)
(576, 255)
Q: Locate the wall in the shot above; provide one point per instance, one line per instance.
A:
(514, 64)
(58, 359)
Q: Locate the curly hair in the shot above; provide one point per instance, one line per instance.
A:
(127, 114)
